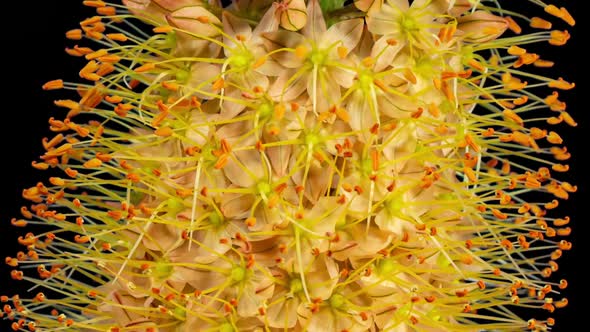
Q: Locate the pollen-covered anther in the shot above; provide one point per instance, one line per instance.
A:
(561, 84)
(96, 54)
(93, 163)
(218, 84)
(106, 11)
(301, 51)
(561, 13)
(75, 34)
(145, 68)
(559, 38)
(513, 25)
(539, 23)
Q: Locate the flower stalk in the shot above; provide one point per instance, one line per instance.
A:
(300, 166)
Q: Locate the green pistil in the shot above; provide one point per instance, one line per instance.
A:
(208, 159)
(366, 167)
(446, 107)
(366, 82)
(265, 110)
(170, 39)
(136, 197)
(312, 139)
(174, 205)
(263, 188)
(386, 267)
(226, 327)
(295, 286)
(318, 58)
(182, 75)
(179, 312)
(394, 205)
(240, 61)
(215, 219)
(446, 197)
(425, 67)
(238, 273)
(408, 24)
(163, 92)
(162, 270)
(337, 301)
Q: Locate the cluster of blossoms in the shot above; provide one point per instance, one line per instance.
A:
(294, 167)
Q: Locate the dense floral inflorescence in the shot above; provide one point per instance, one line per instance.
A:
(280, 166)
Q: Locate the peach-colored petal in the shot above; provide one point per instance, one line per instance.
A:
(162, 237)
(321, 277)
(279, 157)
(172, 5)
(345, 34)
(201, 79)
(481, 26)
(460, 7)
(316, 25)
(198, 131)
(294, 16)
(236, 206)
(344, 77)
(284, 39)
(285, 88)
(368, 6)
(245, 169)
(384, 53)
(361, 117)
(330, 94)
(269, 21)
(386, 20)
(234, 26)
(195, 20)
(402, 5)
(283, 314)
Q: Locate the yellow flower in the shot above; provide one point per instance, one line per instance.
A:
(262, 167)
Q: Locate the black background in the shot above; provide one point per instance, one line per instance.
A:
(32, 46)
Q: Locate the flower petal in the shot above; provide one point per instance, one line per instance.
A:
(368, 5)
(294, 16)
(481, 26)
(284, 39)
(196, 20)
(172, 5)
(384, 53)
(346, 33)
(316, 25)
(285, 88)
(269, 22)
(234, 26)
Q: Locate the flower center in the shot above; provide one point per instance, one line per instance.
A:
(386, 267)
(264, 188)
(215, 219)
(182, 75)
(409, 24)
(240, 61)
(312, 138)
(394, 205)
(175, 205)
(366, 167)
(317, 57)
(226, 327)
(365, 81)
(179, 312)
(337, 301)
(238, 273)
(265, 110)
(162, 270)
(296, 286)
